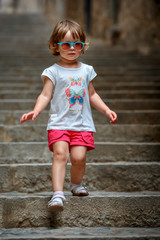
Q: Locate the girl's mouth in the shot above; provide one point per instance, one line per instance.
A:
(71, 54)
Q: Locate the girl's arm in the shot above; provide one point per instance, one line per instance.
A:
(98, 103)
(41, 103)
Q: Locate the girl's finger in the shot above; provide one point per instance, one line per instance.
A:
(34, 117)
(113, 118)
(22, 119)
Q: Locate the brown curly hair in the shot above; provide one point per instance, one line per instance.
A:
(60, 31)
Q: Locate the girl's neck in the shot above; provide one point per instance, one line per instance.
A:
(69, 64)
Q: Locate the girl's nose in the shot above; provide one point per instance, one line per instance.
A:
(72, 48)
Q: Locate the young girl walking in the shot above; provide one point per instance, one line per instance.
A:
(68, 86)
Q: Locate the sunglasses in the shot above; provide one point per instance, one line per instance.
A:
(65, 46)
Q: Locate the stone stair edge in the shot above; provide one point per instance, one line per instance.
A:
(99, 91)
(92, 194)
(88, 233)
(96, 125)
(94, 110)
(106, 100)
(119, 163)
(96, 143)
(97, 83)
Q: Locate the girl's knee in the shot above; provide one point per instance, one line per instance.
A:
(78, 160)
(78, 155)
(60, 154)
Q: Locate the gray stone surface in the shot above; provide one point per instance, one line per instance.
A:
(98, 209)
(131, 86)
(121, 177)
(130, 94)
(117, 104)
(9, 117)
(96, 233)
(117, 133)
(38, 152)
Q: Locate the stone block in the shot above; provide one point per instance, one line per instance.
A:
(38, 152)
(118, 177)
(117, 133)
(99, 209)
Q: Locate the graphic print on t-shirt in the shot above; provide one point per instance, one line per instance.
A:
(75, 81)
(77, 94)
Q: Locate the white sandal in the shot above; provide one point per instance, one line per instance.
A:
(56, 203)
(79, 190)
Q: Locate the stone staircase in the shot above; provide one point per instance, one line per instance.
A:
(122, 174)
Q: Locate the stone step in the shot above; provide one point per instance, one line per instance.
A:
(10, 76)
(120, 177)
(105, 57)
(110, 77)
(37, 152)
(123, 71)
(9, 117)
(126, 66)
(133, 94)
(126, 86)
(129, 94)
(36, 66)
(116, 104)
(99, 85)
(99, 209)
(118, 133)
(87, 233)
(29, 76)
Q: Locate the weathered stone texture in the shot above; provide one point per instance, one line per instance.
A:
(99, 209)
(140, 22)
(137, 26)
(132, 24)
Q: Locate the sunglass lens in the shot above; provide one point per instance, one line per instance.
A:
(78, 46)
(65, 46)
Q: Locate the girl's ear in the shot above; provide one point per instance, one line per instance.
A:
(86, 45)
(56, 46)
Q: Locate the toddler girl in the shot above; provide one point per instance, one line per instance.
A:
(68, 84)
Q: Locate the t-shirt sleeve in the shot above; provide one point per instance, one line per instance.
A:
(50, 74)
(93, 74)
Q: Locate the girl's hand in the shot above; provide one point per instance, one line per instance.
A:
(112, 115)
(28, 116)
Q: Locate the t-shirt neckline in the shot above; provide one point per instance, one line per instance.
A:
(72, 69)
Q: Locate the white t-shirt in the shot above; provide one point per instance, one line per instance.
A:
(70, 107)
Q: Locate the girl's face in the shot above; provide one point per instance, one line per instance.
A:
(71, 55)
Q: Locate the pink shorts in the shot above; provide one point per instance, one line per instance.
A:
(74, 138)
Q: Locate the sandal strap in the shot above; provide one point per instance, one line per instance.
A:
(78, 188)
(57, 198)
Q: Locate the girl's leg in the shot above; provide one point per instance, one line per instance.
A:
(78, 160)
(60, 158)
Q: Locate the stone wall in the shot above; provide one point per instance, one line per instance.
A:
(75, 11)
(137, 25)
(21, 6)
(55, 10)
(101, 17)
(139, 21)
(65, 9)
(129, 24)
